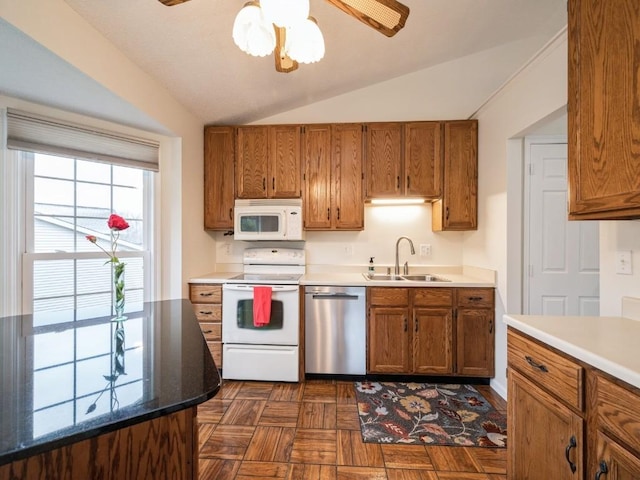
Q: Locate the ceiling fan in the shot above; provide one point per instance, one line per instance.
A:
(386, 16)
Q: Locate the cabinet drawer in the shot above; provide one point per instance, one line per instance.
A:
(433, 297)
(619, 411)
(212, 331)
(205, 293)
(475, 297)
(388, 296)
(551, 371)
(208, 312)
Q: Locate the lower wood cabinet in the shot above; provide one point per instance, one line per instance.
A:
(566, 419)
(422, 331)
(207, 305)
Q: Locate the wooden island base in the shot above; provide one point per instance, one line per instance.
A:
(162, 448)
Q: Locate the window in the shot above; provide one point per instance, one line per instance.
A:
(68, 199)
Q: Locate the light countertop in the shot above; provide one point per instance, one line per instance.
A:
(350, 277)
(609, 344)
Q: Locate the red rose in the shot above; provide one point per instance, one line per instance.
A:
(116, 222)
(92, 238)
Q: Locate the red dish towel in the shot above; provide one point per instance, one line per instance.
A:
(261, 306)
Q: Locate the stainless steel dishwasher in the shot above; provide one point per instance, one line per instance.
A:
(335, 330)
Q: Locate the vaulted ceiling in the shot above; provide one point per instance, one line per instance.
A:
(189, 49)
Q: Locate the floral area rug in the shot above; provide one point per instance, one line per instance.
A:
(427, 413)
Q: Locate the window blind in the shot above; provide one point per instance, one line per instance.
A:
(33, 133)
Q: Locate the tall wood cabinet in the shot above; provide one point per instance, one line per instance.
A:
(268, 161)
(403, 159)
(219, 152)
(603, 109)
(425, 331)
(332, 177)
(458, 207)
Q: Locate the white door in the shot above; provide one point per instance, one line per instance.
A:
(563, 256)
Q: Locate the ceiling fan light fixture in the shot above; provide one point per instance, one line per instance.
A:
(251, 33)
(304, 42)
(285, 13)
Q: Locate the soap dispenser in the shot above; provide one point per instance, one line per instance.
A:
(371, 267)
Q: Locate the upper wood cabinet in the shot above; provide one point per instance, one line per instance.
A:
(458, 207)
(403, 159)
(218, 177)
(332, 177)
(268, 162)
(603, 109)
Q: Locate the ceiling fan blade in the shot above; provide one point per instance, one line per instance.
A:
(170, 3)
(386, 16)
(284, 63)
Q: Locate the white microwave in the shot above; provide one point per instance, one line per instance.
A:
(268, 219)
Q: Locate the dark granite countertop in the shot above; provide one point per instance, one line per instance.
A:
(68, 376)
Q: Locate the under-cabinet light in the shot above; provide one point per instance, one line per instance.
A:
(397, 201)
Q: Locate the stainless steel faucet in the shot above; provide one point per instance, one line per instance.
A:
(406, 264)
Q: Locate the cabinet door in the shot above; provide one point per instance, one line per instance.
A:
(347, 196)
(603, 119)
(458, 208)
(475, 342)
(433, 340)
(252, 151)
(614, 462)
(284, 162)
(542, 433)
(218, 177)
(317, 177)
(422, 160)
(384, 172)
(388, 340)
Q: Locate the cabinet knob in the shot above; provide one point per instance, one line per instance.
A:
(536, 365)
(567, 452)
(602, 469)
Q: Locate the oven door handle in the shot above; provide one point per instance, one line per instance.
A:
(242, 287)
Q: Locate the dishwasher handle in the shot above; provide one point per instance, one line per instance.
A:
(334, 296)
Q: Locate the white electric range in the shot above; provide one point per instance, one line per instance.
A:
(267, 352)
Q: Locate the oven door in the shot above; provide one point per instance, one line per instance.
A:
(237, 316)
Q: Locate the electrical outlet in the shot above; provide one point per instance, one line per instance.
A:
(623, 263)
(425, 250)
(348, 250)
(227, 248)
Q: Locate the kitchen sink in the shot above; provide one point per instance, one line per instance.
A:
(381, 276)
(425, 278)
(413, 278)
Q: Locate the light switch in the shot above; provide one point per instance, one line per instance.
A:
(623, 263)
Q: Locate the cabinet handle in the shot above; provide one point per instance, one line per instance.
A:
(474, 299)
(603, 469)
(408, 182)
(338, 213)
(231, 214)
(205, 313)
(207, 331)
(205, 294)
(398, 182)
(405, 324)
(328, 213)
(446, 215)
(273, 183)
(572, 444)
(264, 183)
(490, 326)
(535, 364)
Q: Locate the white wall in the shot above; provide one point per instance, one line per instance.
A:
(186, 249)
(535, 93)
(616, 236)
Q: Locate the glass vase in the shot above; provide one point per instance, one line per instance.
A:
(118, 291)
